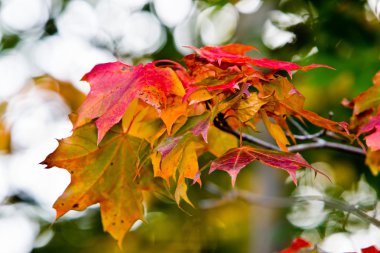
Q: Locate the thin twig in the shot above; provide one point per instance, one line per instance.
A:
(309, 136)
(245, 137)
(297, 125)
(317, 143)
(320, 143)
(257, 141)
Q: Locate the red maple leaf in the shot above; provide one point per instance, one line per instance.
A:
(235, 53)
(371, 249)
(114, 85)
(297, 244)
(236, 159)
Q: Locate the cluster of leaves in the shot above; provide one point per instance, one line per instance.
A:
(301, 245)
(142, 128)
(365, 120)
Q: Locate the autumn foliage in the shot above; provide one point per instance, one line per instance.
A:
(142, 128)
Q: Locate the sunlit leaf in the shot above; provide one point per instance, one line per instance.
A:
(247, 108)
(220, 142)
(275, 131)
(115, 85)
(107, 174)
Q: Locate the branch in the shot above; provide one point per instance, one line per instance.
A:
(317, 143)
(320, 143)
(281, 202)
(297, 125)
(309, 136)
(222, 125)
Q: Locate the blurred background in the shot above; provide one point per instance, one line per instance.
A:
(46, 46)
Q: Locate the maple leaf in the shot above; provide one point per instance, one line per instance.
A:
(143, 122)
(372, 160)
(297, 244)
(172, 113)
(365, 106)
(107, 174)
(372, 140)
(114, 86)
(288, 101)
(248, 107)
(232, 53)
(370, 125)
(371, 249)
(315, 119)
(275, 131)
(235, 53)
(220, 142)
(198, 125)
(282, 65)
(177, 159)
(236, 159)
(369, 99)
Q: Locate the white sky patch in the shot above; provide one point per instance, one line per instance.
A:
(4, 182)
(23, 15)
(273, 37)
(218, 25)
(172, 13)
(69, 58)
(143, 34)
(131, 5)
(338, 243)
(44, 185)
(36, 119)
(112, 18)
(185, 34)
(35, 116)
(285, 20)
(309, 214)
(17, 231)
(79, 19)
(374, 6)
(248, 6)
(15, 71)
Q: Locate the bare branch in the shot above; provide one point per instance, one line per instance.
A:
(320, 143)
(297, 125)
(246, 137)
(317, 143)
(309, 136)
